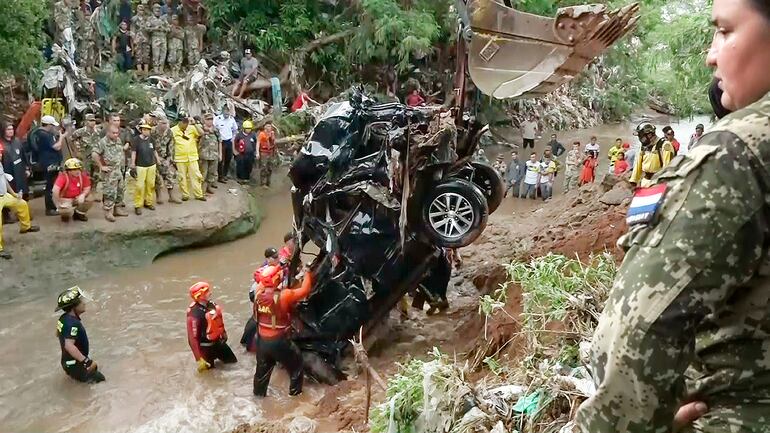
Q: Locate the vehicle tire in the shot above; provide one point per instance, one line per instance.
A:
(454, 213)
(488, 180)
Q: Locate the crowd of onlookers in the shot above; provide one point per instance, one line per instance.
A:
(533, 175)
(94, 163)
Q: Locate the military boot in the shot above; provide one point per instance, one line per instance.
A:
(120, 212)
(109, 216)
(171, 198)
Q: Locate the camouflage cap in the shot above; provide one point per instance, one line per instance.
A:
(89, 116)
(208, 116)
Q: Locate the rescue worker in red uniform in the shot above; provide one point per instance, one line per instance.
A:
(206, 332)
(272, 310)
(288, 248)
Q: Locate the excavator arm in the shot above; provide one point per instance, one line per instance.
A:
(513, 54)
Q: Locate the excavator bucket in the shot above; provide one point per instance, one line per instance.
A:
(514, 54)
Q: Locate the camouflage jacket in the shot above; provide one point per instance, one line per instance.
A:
(208, 145)
(139, 29)
(176, 33)
(157, 26)
(111, 152)
(63, 16)
(85, 141)
(164, 143)
(688, 317)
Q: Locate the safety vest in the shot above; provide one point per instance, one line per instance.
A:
(266, 143)
(215, 323)
(268, 310)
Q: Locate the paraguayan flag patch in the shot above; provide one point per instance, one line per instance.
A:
(645, 204)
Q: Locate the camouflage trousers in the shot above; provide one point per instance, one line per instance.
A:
(158, 52)
(209, 170)
(142, 52)
(735, 418)
(265, 169)
(114, 188)
(166, 175)
(175, 56)
(192, 47)
(571, 179)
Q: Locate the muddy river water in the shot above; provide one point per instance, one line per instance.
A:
(135, 323)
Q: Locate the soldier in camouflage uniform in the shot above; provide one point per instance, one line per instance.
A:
(158, 28)
(64, 21)
(175, 46)
(86, 37)
(109, 154)
(194, 29)
(163, 140)
(141, 39)
(86, 139)
(209, 153)
(688, 319)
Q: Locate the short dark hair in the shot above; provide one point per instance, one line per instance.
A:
(288, 236)
(576, 142)
(533, 153)
(668, 129)
(593, 137)
(762, 6)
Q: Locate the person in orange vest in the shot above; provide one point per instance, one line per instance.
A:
(272, 311)
(206, 332)
(268, 154)
(287, 250)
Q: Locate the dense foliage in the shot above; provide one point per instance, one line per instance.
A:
(21, 36)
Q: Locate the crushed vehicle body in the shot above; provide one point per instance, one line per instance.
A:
(384, 191)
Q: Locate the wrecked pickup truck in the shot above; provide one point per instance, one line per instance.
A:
(384, 190)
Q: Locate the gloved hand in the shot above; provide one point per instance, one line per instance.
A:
(203, 365)
(89, 364)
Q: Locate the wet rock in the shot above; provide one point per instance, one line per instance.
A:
(61, 253)
(615, 196)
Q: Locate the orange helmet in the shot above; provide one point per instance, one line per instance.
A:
(269, 276)
(199, 289)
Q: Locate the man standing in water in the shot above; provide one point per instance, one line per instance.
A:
(73, 338)
(206, 332)
(272, 310)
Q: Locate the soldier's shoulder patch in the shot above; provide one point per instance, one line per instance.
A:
(645, 204)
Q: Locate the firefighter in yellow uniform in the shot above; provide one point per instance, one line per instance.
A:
(654, 154)
(186, 158)
(9, 199)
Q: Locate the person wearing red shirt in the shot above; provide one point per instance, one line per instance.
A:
(302, 102)
(621, 165)
(267, 154)
(206, 332)
(284, 255)
(70, 191)
(272, 312)
(669, 133)
(415, 99)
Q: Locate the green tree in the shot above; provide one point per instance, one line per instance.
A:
(21, 36)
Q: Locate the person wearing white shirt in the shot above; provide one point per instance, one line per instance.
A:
(547, 170)
(593, 146)
(532, 177)
(227, 127)
(529, 130)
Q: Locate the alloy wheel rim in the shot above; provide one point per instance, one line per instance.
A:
(451, 215)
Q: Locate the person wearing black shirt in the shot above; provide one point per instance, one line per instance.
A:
(144, 161)
(49, 157)
(14, 159)
(556, 147)
(73, 338)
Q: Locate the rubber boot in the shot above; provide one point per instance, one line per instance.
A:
(120, 212)
(80, 216)
(108, 215)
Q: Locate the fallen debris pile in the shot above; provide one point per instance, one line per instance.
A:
(536, 389)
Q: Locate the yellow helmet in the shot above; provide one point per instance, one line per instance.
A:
(248, 125)
(73, 164)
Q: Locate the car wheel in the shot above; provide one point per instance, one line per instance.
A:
(454, 214)
(488, 180)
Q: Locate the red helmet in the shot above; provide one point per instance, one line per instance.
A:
(199, 289)
(269, 276)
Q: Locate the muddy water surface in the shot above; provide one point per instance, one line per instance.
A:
(136, 325)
